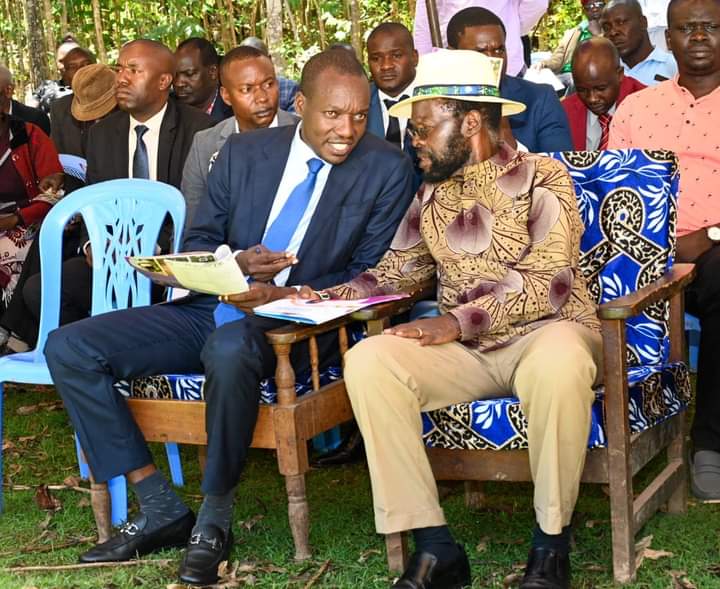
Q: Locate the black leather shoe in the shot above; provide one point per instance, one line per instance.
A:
(352, 450)
(546, 569)
(207, 548)
(424, 572)
(132, 540)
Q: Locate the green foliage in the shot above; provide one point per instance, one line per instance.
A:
(562, 15)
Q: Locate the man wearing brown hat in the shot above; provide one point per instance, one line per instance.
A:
(72, 116)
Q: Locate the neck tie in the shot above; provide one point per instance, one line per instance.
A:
(280, 233)
(393, 131)
(141, 166)
(604, 121)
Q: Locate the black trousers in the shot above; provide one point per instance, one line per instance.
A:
(86, 357)
(703, 300)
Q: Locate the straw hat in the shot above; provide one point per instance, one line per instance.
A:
(93, 92)
(460, 75)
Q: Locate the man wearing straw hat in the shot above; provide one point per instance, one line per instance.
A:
(500, 232)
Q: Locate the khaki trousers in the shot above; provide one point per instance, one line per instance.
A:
(390, 380)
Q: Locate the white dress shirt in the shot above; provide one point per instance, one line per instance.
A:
(151, 138)
(593, 130)
(296, 170)
(386, 116)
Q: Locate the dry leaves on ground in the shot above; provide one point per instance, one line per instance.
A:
(365, 554)
(643, 551)
(249, 524)
(680, 580)
(46, 406)
(44, 499)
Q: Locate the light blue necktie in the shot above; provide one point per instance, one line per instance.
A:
(141, 166)
(280, 233)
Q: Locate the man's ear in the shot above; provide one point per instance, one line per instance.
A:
(416, 58)
(9, 91)
(668, 42)
(225, 95)
(166, 81)
(472, 123)
(299, 103)
(213, 72)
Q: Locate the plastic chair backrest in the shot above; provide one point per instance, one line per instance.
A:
(123, 218)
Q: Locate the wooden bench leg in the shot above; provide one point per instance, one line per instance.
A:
(677, 451)
(202, 458)
(474, 495)
(299, 515)
(397, 551)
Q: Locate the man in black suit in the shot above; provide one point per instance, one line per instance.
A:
(18, 109)
(144, 76)
(347, 220)
(197, 78)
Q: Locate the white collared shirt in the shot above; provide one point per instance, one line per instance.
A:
(593, 130)
(151, 138)
(273, 123)
(296, 170)
(386, 117)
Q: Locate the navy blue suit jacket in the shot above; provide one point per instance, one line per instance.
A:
(543, 126)
(360, 208)
(376, 127)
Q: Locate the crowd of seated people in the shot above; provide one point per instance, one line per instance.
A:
(356, 181)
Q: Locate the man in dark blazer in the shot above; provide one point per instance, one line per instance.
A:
(143, 100)
(600, 86)
(347, 220)
(543, 126)
(249, 86)
(196, 80)
(18, 109)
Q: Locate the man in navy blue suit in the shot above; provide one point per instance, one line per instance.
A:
(543, 126)
(346, 222)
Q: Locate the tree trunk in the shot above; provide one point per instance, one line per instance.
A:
(274, 32)
(293, 24)
(99, 42)
(231, 23)
(36, 43)
(49, 37)
(63, 18)
(321, 24)
(353, 9)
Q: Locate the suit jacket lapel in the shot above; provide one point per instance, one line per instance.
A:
(121, 162)
(168, 130)
(267, 175)
(375, 116)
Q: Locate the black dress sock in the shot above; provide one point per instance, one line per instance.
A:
(158, 501)
(217, 510)
(436, 540)
(559, 542)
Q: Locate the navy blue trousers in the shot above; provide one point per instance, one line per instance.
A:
(85, 359)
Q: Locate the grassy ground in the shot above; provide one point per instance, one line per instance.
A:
(39, 449)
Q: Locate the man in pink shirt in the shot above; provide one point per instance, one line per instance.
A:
(682, 115)
(518, 16)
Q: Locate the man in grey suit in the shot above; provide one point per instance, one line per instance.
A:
(249, 86)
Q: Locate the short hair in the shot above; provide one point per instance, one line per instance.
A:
(670, 7)
(633, 5)
(240, 53)
(82, 51)
(492, 111)
(6, 76)
(475, 16)
(596, 47)
(392, 28)
(208, 53)
(341, 60)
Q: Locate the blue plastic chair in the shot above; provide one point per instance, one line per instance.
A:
(123, 218)
(692, 330)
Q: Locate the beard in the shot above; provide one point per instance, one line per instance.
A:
(455, 156)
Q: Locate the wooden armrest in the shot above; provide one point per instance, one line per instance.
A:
(295, 332)
(669, 284)
(423, 291)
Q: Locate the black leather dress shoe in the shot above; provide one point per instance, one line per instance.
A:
(132, 540)
(207, 548)
(352, 450)
(546, 569)
(424, 572)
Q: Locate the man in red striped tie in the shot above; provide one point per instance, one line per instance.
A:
(600, 86)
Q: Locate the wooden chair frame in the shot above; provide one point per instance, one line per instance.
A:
(287, 425)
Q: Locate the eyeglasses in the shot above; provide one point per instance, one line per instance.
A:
(421, 132)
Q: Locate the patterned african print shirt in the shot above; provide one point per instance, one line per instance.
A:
(502, 239)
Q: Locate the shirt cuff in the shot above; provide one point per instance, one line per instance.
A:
(473, 322)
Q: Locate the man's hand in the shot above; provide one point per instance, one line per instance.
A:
(428, 332)
(691, 246)
(259, 294)
(261, 264)
(9, 222)
(52, 183)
